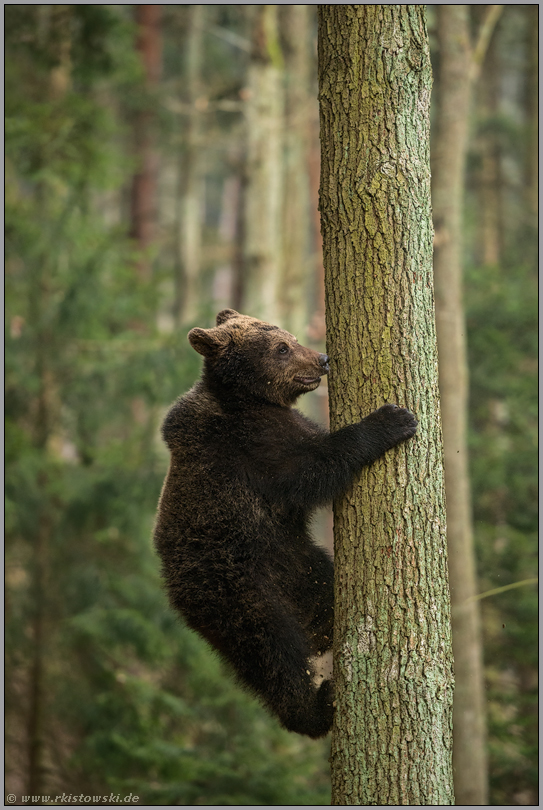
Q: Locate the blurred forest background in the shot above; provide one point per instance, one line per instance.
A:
(139, 140)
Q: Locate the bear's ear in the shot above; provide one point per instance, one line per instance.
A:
(205, 341)
(225, 315)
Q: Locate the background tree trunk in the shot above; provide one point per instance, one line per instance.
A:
(263, 194)
(391, 740)
(36, 726)
(238, 254)
(293, 292)
(45, 422)
(532, 157)
(488, 150)
(143, 200)
(191, 184)
(459, 64)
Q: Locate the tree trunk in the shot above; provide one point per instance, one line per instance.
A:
(45, 422)
(293, 292)
(143, 214)
(191, 185)
(317, 328)
(532, 153)
(263, 197)
(238, 256)
(36, 728)
(489, 189)
(392, 741)
(458, 69)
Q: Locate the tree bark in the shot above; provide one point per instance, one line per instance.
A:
(391, 742)
(143, 213)
(238, 254)
(532, 156)
(293, 290)
(317, 328)
(459, 66)
(45, 422)
(189, 245)
(37, 671)
(489, 190)
(263, 193)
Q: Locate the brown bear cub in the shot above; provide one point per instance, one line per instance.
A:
(232, 529)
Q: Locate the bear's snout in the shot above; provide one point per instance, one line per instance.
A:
(324, 362)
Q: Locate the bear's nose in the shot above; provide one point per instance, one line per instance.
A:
(323, 360)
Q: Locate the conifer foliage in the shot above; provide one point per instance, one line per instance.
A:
(106, 690)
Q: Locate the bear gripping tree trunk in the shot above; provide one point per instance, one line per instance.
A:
(392, 737)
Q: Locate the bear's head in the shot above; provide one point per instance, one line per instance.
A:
(246, 357)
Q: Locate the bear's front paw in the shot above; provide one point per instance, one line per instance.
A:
(398, 423)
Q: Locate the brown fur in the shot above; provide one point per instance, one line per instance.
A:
(246, 471)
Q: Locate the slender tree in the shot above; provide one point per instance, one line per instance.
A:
(143, 200)
(263, 192)
(460, 62)
(532, 157)
(46, 417)
(392, 739)
(293, 292)
(189, 234)
(489, 176)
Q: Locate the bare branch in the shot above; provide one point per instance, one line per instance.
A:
(486, 29)
(504, 588)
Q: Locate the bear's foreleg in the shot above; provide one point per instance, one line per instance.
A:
(319, 468)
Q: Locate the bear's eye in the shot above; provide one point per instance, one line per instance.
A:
(282, 348)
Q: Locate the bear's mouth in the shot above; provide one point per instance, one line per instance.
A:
(307, 381)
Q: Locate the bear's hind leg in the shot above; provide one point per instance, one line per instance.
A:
(315, 601)
(272, 656)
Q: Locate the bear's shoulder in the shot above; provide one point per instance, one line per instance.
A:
(190, 416)
(199, 423)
